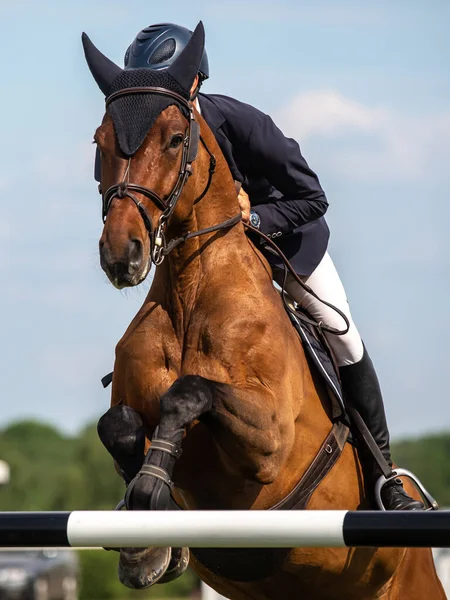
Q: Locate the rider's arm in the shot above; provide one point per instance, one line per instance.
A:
(279, 160)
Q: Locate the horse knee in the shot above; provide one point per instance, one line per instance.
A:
(121, 431)
(266, 474)
(187, 399)
(265, 464)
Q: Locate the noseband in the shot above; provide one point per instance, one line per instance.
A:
(158, 246)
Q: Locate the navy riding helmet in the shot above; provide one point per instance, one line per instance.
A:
(157, 47)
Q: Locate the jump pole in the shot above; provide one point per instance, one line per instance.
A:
(226, 529)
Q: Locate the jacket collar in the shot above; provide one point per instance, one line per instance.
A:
(210, 112)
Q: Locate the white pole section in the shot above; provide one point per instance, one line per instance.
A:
(4, 473)
(210, 594)
(207, 529)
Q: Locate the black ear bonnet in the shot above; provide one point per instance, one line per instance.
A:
(134, 114)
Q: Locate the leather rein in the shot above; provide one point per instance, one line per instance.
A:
(159, 247)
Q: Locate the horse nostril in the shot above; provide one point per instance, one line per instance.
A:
(136, 251)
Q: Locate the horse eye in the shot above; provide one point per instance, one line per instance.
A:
(176, 141)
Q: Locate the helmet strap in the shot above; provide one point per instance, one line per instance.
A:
(196, 91)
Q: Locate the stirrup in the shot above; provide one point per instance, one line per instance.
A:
(427, 498)
(121, 505)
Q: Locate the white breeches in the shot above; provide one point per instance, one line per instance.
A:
(326, 283)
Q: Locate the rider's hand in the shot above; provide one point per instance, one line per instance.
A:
(244, 204)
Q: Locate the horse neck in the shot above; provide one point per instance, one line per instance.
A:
(183, 270)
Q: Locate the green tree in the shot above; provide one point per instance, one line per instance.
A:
(101, 486)
(38, 456)
(428, 458)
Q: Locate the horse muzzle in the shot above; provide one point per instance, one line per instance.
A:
(127, 270)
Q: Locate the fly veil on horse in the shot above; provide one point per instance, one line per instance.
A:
(211, 369)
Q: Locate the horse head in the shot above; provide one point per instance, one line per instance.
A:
(147, 141)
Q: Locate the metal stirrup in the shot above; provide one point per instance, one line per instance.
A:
(426, 496)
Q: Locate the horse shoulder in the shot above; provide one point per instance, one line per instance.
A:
(147, 361)
(259, 402)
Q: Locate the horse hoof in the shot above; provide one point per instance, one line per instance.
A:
(141, 568)
(178, 565)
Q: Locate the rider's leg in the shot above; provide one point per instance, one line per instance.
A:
(359, 379)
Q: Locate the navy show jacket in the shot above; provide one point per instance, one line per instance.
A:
(282, 188)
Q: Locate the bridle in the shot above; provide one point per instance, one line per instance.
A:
(159, 247)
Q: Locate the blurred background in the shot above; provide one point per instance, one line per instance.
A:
(365, 90)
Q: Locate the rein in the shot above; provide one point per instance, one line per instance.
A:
(289, 268)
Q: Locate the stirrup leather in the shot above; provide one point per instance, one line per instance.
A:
(429, 502)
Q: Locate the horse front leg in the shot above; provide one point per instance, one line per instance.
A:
(233, 415)
(149, 479)
(187, 399)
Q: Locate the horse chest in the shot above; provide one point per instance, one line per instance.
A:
(148, 361)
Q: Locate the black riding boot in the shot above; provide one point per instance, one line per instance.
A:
(362, 391)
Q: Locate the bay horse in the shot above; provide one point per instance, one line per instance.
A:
(210, 379)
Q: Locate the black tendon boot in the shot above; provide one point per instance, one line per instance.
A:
(362, 391)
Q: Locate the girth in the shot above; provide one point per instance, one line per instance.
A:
(325, 459)
(323, 462)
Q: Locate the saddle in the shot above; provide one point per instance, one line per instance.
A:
(319, 354)
(323, 361)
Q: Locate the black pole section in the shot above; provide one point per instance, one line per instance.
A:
(33, 529)
(397, 529)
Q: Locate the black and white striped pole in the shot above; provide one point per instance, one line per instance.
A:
(226, 529)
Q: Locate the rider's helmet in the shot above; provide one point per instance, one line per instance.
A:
(157, 47)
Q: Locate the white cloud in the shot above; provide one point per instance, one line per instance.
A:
(328, 113)
(368, 143)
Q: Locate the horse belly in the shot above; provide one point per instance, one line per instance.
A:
(273, 574)
(319, 573)
(283, 574)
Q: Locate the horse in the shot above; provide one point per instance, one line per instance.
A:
(214, 404)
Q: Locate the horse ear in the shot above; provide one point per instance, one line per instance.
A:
(186, 66)
(103, 70)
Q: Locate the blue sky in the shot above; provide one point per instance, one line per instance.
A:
(364, 88)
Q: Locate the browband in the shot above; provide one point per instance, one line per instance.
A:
(147, 90)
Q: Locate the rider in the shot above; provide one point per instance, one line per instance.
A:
(282, 196)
